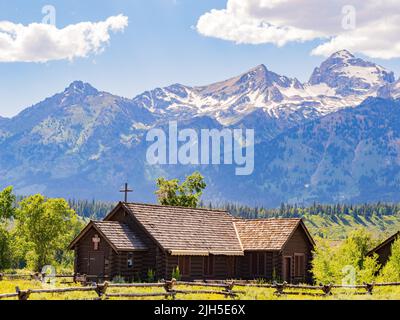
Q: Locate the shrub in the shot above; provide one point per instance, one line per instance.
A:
(322, 263)
(151, 276)
(346, 263)
(176, 274)
(370, 270)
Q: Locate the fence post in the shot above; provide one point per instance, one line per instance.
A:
(101, 289)
(37, 276)
(23, 294)
(327, 289)
(169, 288)
(280, 288)
(84, 280)
(80, 278)
(369, 287)
(228, 289)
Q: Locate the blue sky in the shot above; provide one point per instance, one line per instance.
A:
(159, 47)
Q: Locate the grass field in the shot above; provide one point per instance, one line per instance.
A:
(337, 228)
(386, 293)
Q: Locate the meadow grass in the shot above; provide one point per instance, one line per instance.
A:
(338, 228)
(249, 293)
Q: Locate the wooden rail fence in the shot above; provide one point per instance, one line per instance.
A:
(75, 278)
(324, 290)
(168, 289)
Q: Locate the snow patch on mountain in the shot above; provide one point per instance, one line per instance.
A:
(341, 81)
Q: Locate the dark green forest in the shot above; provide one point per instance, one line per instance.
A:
(333, 222)
(95, 210)
(323, 210)
(91, 209)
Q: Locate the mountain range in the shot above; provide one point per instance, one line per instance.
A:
(333, 138)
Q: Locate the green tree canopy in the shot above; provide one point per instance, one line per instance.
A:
(45, 227)
(187, 194)
(7, 211)
(5, 252)
(7, 204)
(346, 262)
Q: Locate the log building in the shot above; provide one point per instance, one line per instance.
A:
(205, 244)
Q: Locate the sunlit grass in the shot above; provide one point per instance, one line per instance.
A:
(338, 228)
(249, 293)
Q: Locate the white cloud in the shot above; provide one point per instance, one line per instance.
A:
(38, 42)
(365, 26)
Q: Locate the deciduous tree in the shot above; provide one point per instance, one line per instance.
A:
(46, 226)
(7, 211)
(187, 194)
(7, 204)
(346, 262)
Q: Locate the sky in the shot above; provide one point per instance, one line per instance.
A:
(129, 46)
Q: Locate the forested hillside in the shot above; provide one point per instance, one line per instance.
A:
(332, 222)
(95, 210)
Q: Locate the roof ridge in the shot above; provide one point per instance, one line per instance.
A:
(237, 234)
(108, 221)
(268, 219)
(179, 207)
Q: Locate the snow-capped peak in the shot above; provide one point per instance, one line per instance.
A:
(257, 79)
(343, 80)
(349, 75)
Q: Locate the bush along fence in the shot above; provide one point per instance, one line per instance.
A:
(170, 289)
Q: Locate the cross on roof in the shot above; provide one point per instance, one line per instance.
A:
(126, 190)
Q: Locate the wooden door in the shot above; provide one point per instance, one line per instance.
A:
(287, 269)
(96, 263)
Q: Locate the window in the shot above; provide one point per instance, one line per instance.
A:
(208, 265)
(299, 265)
(130, 260)
(184, 265)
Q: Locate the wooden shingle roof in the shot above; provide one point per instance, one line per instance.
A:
(266, 234)
(188, 231)
(120, 235)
